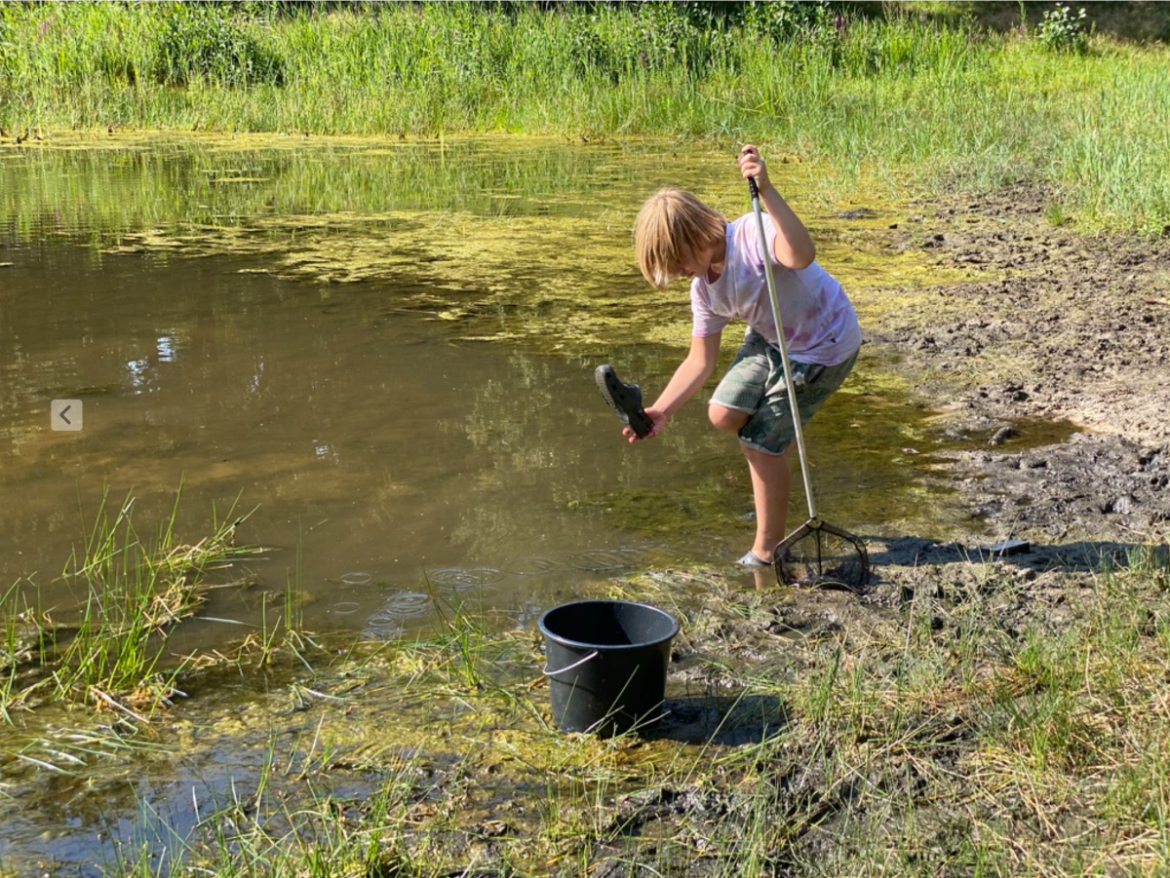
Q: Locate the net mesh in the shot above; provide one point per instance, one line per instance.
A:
(819, 554)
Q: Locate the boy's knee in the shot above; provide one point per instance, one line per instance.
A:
(725, 419)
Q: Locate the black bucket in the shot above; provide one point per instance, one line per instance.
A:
(606, 663)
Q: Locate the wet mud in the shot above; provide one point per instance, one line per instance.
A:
(1050, 327)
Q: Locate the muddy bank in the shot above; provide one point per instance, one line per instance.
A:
(1050, 325)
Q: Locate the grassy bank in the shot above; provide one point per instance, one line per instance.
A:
(111, 650)
(990, 721)
(903, 96)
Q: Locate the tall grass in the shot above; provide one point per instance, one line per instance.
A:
(910, 98)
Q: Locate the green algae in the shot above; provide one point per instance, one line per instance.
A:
(886, 472)
(525, 242)
(402, 723)
(375, 757)
(498, 237)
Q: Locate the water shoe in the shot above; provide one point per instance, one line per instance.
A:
(625, 400)
(752, 560)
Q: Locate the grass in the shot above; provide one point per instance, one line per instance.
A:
(111, 650)
(999, 724)
(906, 95)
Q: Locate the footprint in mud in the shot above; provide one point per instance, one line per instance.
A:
(464, 578)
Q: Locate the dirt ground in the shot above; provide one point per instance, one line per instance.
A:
(1053, 326)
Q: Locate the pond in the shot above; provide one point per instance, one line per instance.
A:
(382, 354)
(386, 351)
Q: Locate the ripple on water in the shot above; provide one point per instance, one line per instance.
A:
(463, 578)
(399, 608)
(605, 559)
(531, 565)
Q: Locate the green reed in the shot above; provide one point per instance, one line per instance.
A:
(900, 94)
(111, 650)
(1002, 725)
(23, 643)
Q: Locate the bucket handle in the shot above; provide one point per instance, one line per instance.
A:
(576, 664)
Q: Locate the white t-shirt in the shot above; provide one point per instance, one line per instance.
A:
(820, 325)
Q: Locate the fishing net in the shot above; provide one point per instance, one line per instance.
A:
(821, 555)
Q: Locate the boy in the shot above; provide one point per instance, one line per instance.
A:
(677, 235)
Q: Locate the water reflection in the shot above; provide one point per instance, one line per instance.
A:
(131, 182)
(400, 466)
(168, 349)
(370, 429)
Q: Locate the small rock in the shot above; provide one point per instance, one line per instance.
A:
(1001, 436)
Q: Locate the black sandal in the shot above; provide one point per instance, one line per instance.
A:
(625, 400)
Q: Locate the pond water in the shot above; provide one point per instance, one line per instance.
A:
(385, 351)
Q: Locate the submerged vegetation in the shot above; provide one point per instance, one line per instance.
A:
(110, 651)
(983, 719)
(917, 98)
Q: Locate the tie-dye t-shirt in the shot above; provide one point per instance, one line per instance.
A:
(820, 325)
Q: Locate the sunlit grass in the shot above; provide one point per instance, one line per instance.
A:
(898, 98)
(996, 721)
(897, 757)
(110, 650)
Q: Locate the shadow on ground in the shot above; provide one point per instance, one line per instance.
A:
(721, 720)
(1082, 557)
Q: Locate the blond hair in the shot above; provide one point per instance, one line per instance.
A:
(672, 225)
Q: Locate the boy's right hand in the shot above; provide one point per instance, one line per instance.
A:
(659, 419)
(751, 165)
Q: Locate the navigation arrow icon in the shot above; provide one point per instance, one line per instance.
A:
(65, 414)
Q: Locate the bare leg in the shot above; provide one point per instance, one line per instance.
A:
(771, 483)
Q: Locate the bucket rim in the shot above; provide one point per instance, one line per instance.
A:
(582, 644)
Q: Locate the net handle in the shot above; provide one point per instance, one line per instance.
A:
(767, 256)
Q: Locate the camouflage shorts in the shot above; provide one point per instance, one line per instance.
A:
(755, 384)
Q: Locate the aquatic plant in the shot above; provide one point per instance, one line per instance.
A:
(990, 720)
(110, 651)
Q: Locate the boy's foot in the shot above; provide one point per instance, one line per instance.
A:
(752, 560)
(625, 400)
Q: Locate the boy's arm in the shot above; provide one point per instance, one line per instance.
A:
(794, 246)
(691, 374)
